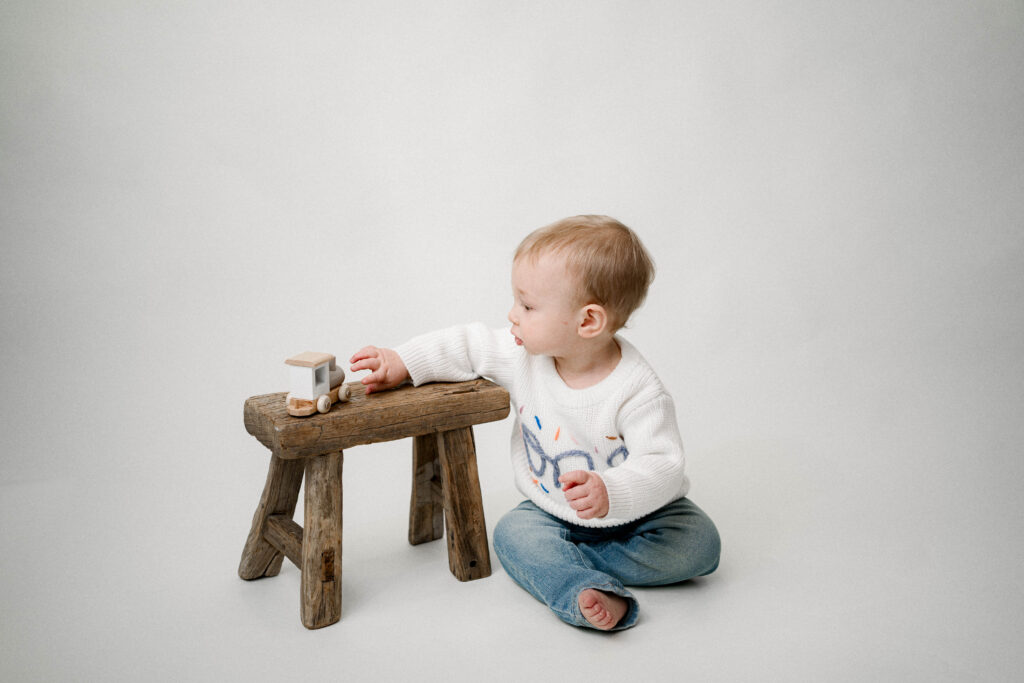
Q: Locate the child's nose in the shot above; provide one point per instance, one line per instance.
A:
(511, 317)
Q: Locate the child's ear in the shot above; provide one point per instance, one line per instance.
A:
(594, 321)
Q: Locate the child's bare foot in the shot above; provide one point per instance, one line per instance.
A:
(602, 610)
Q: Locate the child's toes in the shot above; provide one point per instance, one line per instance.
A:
(595, 611)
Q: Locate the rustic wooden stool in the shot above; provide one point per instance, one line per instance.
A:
(445, 485)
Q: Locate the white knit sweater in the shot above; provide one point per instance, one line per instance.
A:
(624, 428)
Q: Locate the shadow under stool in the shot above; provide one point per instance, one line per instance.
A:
(445, 485)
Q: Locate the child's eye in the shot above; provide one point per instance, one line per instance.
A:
(527, 308)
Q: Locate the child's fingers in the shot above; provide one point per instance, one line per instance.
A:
(378, 375)
(372, 364)
(581, 505)
(377, 384)
(574, 478)
(375, 381)
(365, 352)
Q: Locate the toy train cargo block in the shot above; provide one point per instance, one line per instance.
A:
(315, 383)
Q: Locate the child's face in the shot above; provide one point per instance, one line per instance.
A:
(543, 315)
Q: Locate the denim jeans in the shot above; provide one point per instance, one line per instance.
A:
(555, 560)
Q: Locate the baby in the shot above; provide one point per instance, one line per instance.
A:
(595, 446)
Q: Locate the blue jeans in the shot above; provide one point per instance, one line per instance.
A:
(555, 560)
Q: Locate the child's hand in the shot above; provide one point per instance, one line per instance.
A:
(586, 493)
(387, 368)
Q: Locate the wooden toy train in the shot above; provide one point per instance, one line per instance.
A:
(315, 383)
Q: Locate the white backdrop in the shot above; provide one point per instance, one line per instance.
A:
(191, 192)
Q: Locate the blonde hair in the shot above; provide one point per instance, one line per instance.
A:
(610, 263)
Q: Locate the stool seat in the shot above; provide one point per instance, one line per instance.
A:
(445, 484)
(403, 412)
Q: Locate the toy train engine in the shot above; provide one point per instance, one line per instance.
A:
(315, 382)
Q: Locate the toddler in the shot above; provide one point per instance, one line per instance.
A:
(595, 446)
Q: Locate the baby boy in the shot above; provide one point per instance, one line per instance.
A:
(595, 445)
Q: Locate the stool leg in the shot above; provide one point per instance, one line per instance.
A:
(426, 509)
(468, 556)
(321, 542)
(280, 494)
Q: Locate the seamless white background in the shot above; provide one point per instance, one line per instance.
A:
(191, 192)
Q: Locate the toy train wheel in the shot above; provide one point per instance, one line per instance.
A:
(323, 404)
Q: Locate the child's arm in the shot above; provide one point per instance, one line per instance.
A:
(455, 354)
(654, 472)
(460, 353)
(387, 368)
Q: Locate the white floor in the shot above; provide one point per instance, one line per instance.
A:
(132, 576)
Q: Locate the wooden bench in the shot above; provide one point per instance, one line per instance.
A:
(445, 485)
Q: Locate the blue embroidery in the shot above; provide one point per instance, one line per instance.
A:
(621, 450)
(538, 422)
(532, 443)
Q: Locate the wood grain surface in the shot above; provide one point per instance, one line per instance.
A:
(399, 413)
(321, 542)
(280, 496)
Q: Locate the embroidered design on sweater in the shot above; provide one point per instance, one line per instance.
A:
(533, 447)
(621, 450)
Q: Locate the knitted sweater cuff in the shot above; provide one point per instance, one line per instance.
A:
(621, 503)
(438, 356)
(417, 361)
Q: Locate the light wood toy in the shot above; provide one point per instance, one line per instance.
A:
(316, 383)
